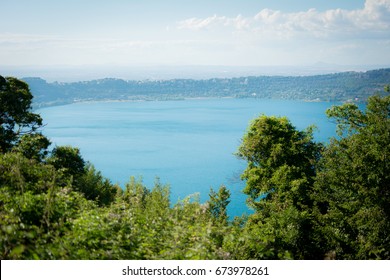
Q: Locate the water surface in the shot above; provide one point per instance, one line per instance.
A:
(188, 144)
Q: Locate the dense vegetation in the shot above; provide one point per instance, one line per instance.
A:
(347, 86)
(310, 201)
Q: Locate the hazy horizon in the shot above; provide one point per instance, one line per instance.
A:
(172, 38)
(167, 72)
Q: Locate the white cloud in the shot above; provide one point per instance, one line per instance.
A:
(268, 37)
(358, 36)
(198, 24)
(214, 21)
(372, 20)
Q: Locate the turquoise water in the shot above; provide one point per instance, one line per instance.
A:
(188, 144)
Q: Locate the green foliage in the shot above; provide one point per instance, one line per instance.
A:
(34, 209)
(142, 225)
(217, 205)
(21, 174)
(280, 160)
(68, 160)
(95, 187)
(33, 146)
(84, 177)
(16, 118)
(279, 180)
(354, 179)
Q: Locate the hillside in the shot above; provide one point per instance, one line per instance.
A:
(345, 86)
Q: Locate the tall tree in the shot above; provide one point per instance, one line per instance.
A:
(69, 162)
(279, 180)
(353, 184)
(217, 204)
(16, 116)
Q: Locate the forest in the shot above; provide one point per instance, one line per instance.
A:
(309, 200)
(338, 87)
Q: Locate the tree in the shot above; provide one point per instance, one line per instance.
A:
(70, 165)
(217, 205)
(16, 118)
(68, 159)
(353, 183)
(281, 161)
(34, 209)
(33, 146)
(279, 181)
(217, 211)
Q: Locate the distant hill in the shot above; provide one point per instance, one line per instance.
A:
(344, 86)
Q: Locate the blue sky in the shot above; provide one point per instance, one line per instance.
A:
(202, 32)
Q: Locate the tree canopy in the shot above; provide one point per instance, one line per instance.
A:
(16, 118)
(279, 181)
(353, 183)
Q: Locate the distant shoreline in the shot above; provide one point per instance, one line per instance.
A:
(158, 100)
(134, 100)
(353, 87)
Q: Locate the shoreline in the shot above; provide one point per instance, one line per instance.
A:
(64, 103)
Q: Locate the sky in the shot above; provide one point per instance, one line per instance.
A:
(101, 33)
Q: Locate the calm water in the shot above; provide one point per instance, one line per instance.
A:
(188, 144)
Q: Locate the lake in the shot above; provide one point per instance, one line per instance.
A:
(188, 144)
